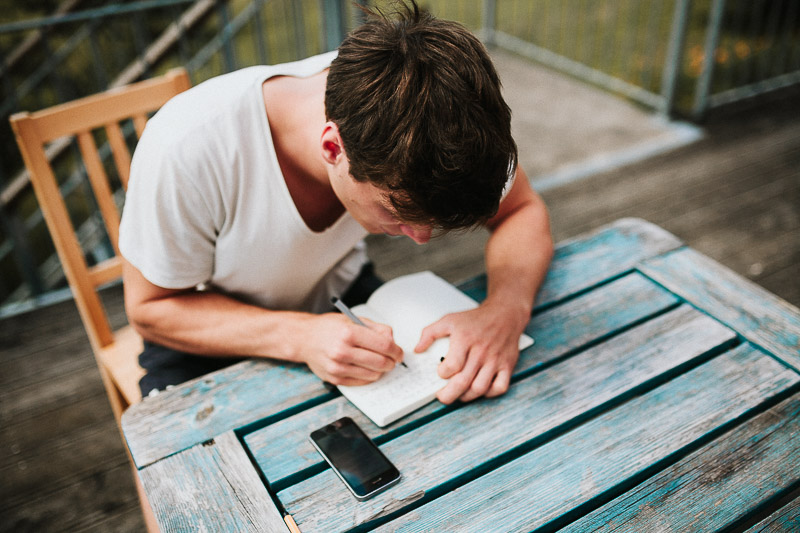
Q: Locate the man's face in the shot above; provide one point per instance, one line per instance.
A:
(371, 207)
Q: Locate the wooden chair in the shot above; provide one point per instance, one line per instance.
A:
(116, 352)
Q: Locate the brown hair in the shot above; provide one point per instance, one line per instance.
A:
(418, 105)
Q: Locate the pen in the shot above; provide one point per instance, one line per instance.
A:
(341, 306)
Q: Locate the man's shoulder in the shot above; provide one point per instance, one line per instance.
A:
(308, 66)
(216, 98)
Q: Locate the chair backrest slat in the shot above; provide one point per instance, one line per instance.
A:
(139, 122)
(102, 190)
(113, 105)
(106, 271)
(119, 149)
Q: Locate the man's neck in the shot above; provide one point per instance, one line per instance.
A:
(296, 111)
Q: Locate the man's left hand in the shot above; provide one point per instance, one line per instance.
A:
(484, 348)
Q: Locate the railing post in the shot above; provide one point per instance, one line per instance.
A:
(334, 16)
(489, 21)
(672, 64)
(703, 90)
(300, 44)
(261, 42)
(224, 30)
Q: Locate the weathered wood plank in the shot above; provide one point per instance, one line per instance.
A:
(542, 487)
(753, 249)
(73, 385)
(717, 485)
(46, 365)
(282, 449)
(759, 316)
(479, 434)
(70, 421)
(87, 500)
(786, 519)
(589, 259)
(203, 408)
(26, 471)
(210, 487)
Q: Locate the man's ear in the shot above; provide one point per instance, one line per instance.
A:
(331, 143)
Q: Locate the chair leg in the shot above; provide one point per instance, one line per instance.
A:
(118, 406)
(115, 397)
(147, 511)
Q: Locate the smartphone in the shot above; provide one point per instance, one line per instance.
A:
(357, 461)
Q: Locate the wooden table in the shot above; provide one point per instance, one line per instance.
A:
(662, 393)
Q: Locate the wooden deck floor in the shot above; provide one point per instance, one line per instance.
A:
(735, 196)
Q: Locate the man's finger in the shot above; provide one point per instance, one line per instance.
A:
(500, 384)
(372, 361)
(457, 386)
(454, 361)
(437, 330)
(378, 338)
(480, 385)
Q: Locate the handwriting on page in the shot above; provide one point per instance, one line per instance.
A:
(402, 390)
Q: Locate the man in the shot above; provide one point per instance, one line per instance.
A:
(250, 195)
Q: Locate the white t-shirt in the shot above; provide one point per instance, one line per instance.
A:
(207, 203)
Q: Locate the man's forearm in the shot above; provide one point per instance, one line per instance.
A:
(208, 323)
(518, 255)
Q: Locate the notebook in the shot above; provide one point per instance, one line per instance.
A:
(408, 304)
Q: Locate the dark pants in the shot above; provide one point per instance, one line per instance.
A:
(165, 366)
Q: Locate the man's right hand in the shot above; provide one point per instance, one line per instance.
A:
(343, 353)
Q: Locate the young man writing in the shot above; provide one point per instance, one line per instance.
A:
(250, 195)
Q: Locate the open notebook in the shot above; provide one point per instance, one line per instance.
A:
(408, 304)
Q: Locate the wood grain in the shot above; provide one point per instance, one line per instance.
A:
(714, 487)
(206, 407)
(211, 487)
(443, 453)
(784, 520)
(759, 316)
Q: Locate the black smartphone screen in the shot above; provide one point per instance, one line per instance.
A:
(354, 457)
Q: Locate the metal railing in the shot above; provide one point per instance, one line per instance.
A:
(675, 56)
(681, 57)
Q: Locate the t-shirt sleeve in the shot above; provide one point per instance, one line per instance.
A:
(169, 227)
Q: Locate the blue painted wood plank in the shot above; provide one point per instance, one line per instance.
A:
(203, 408)
(593, 258)
(784, 520)
(598, 459)
(758, 315)
(282, 449)
(450, 450)
(716, 486)
(211, 487)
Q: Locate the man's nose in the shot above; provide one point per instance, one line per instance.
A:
(418, 234)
